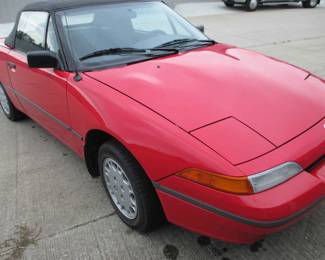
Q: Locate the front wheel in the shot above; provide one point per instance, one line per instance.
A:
(129, 189)
(251, 5)
(310, 3)
(8, 107)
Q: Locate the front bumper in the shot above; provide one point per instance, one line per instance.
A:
(240, 218)
(248, 218)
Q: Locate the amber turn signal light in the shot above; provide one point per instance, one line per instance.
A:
(238, 185)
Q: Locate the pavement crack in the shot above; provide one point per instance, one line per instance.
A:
(77, 226)
(284, 42)
(25, 236)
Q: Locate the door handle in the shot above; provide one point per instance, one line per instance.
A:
(12, 66)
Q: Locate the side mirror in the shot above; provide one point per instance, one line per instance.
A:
(42, 59)
(200, 28)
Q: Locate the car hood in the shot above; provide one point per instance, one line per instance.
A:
(197, 88)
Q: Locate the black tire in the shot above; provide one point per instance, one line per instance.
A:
(251, 5)
(10, 112)
(229, 4)
(309, 3)
(149, 211)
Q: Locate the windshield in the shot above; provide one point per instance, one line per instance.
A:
(142, 25)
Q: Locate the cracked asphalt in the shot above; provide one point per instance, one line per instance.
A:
(50, 208)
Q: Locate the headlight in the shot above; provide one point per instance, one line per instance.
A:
(243, 185)
(275, 176)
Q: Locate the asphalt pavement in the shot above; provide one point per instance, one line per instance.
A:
(50, 208)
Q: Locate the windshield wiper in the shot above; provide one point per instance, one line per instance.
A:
(185, 41)
(131, 51)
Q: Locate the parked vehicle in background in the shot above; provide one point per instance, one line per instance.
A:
(217, 139)
(252, 5)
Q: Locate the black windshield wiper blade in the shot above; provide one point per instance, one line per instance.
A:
(185, 41)
(175, 42)
(119, 51)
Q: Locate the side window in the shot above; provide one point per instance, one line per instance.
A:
(31, 31)
(52, 43)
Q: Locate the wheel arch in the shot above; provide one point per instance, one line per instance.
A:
(93, 141)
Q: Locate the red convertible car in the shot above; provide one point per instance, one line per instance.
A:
(220, 140)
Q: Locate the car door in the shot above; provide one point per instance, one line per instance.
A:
(42, 92)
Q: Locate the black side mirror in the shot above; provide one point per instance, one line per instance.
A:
(200, 28)
(42, 59)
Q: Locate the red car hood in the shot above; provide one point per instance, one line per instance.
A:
(197, 88)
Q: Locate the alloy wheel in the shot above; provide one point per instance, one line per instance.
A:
(253, 4)
(313, 3)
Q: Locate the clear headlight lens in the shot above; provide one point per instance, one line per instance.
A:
(275, 176)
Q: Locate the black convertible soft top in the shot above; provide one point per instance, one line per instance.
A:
(58, 5)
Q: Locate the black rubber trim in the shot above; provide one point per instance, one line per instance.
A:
(317, 163)
(232, 216)
(66, 127)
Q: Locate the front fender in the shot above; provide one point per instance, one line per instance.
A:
(161, 147)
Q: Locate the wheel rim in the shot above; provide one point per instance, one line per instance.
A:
(120, 188)
(313, 3)
(253, 4)
(4, 101)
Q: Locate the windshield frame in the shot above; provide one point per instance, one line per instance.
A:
(75, 65)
